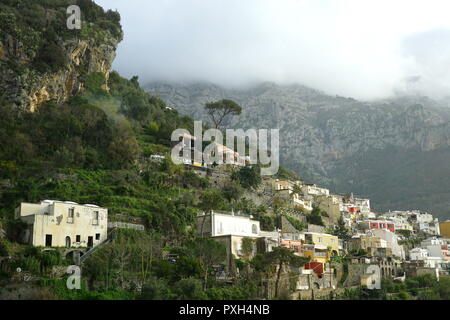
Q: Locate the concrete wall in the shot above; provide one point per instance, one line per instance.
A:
(312, 281)
(322, 294)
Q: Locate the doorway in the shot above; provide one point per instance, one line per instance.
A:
(90, 243)
(48, 240)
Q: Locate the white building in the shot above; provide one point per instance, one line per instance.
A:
(432, 241)
(401, 222)
(283, 185)
(313, 190)
(429, 227)
(420, 221)
(227, 223)
(231, 229)
(418, 254)
(392, 241)
(363, 204)
(63, 224)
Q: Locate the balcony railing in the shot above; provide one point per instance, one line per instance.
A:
(320, 254)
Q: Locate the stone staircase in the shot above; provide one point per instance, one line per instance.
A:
(111, 236)
(293, 213)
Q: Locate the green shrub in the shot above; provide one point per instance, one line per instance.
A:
(189, 289)
(297, 224)
(155, 289)
(95, 83)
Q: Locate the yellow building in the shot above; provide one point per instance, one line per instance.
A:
(445, 229)
(320, 247)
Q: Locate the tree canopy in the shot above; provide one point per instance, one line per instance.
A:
(220, 111)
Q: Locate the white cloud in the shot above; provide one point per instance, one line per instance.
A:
(353, 48)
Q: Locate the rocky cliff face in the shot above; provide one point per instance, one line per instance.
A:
(28, 88)
(331, 140)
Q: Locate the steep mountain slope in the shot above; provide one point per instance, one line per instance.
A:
(42, 60)
(343, 143)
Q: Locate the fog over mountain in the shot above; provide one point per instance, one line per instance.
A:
(361, 50)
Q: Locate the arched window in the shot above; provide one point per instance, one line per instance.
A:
(254, 229)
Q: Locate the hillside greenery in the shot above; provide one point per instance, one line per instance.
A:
(40, 27)
(96, 148)
(423, 287)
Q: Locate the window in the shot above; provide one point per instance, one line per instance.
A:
(71, 215)
(320, 239)
(78, 238)
(254, 229)
(97, 236)
(96, 215)
(68, 242)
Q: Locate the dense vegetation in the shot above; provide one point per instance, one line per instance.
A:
(40, 26)
(96, 148)
(423, 287)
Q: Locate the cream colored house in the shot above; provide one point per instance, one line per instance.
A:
(282, 185)
(373, 245)
(63, 224)
(314, 190)
(295, 198)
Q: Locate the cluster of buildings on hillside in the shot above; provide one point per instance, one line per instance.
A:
(375, 243)
(305, 196)
(374, 240)
(194, 157)
(382, 240)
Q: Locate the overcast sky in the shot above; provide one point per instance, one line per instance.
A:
(362, 49)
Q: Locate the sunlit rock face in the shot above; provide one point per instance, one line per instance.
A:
(28, 89)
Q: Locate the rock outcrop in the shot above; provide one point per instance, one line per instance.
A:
(28, 89)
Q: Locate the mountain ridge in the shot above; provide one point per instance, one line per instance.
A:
(320, 133)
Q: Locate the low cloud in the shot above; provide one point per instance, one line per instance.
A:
(350, 48)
